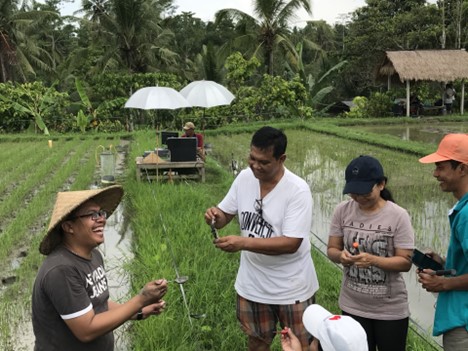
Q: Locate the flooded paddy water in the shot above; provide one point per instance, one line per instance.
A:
(117, 252)
(321, 160)
(425, 133)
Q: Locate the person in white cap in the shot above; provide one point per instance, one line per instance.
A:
(451, 316)
(372, 237)
(331, 332)
(71, 309)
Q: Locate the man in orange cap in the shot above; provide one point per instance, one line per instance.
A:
(451, 170)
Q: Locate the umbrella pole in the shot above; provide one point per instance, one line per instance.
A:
(203, 124)
(203, 134)
(157, 154)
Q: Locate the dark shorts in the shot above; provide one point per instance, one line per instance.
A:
(261, 321)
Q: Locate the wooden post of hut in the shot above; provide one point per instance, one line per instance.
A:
(408, 98)
(425, 65)
(462, 98)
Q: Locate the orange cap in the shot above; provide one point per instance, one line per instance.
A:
(451, 147)
(355, 245)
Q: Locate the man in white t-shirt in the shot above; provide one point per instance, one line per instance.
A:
(276, 280)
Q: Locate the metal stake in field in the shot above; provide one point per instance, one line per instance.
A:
(174, 263)
(176, 269)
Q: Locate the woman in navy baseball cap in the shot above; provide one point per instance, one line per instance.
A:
(372, 237)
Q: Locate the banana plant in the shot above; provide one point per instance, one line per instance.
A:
(82, 121)
(35, 103)
(90, 111)
(91, 115)
(317, 88)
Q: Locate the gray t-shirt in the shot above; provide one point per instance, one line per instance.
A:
(68, 286)
(372, 292)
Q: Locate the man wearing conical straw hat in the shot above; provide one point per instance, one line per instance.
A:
(71, 308)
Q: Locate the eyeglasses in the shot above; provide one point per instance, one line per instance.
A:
(258, 206)
(95, 215)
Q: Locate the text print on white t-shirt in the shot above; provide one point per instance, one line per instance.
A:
(254, 223)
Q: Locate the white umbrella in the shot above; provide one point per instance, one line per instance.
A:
(206, 93)
(150, 98)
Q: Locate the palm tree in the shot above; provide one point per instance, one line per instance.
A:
(131, 37)
(20, 54)
(268, 32)
(94, 10)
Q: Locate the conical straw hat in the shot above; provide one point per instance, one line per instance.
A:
(107, 198)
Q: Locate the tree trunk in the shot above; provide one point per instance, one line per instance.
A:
(443, 36)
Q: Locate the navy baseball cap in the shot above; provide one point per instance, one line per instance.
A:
(362, 174)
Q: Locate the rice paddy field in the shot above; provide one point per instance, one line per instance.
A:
(169, 235)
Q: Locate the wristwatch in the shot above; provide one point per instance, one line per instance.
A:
(139, 316)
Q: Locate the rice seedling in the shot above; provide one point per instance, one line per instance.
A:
(169, 231)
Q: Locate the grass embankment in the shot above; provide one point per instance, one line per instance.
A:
(168, 225)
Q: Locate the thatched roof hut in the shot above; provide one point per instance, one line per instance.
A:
(433, 65)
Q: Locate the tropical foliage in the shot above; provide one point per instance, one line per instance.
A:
(117, 46)
(267, 35)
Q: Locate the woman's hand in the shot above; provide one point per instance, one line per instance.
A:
(289, 341)
(153, 309)
(346, 259)
(153, 291)
(363, 260)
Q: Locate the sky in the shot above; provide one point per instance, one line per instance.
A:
(332, 11)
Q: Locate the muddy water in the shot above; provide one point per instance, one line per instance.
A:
(117, 253)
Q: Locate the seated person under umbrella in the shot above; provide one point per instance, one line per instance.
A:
(189, 129)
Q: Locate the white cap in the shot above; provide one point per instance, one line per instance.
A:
(335, 333)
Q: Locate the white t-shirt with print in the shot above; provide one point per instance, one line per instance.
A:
(286, 211)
